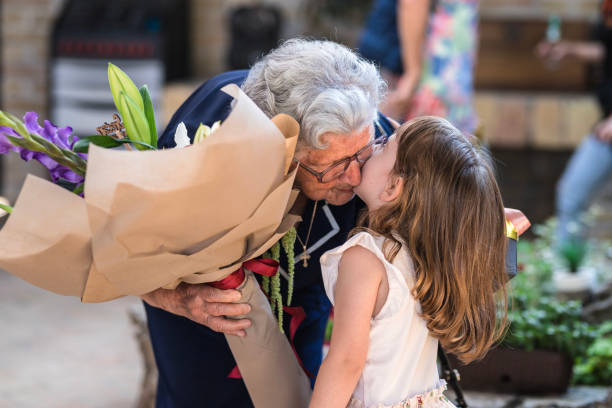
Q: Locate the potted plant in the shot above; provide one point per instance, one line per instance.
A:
(545, 334)
(573, 281)
(537, 354)
(595, 366)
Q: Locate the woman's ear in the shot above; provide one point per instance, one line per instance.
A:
(393, 189)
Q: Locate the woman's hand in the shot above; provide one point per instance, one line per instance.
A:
(205, 305)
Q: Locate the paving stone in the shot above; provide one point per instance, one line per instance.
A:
(56, 352)
(575, 397)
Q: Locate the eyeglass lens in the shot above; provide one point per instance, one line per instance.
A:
(362, 156)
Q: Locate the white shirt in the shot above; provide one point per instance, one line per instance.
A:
(401, 360)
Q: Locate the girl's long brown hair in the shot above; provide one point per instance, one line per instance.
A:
(451, 216)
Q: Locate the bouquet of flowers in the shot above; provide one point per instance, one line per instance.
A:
(143, 218)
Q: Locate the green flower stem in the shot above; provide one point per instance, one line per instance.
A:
(6, 208)
(265, 284)
(61, 156)
(272, 285)
(12, 121)
(278, 299)
(79, 189)
(275, 283)
(288, 242)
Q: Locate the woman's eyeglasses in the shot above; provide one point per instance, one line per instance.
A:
(337, 169)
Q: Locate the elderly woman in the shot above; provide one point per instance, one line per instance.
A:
(334, 95)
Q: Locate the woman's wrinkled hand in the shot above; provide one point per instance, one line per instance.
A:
(205, 305)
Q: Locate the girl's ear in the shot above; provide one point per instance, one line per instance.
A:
(393, 189)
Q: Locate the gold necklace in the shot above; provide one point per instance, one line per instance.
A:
(306, 255)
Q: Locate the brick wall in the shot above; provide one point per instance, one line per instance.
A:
(536, 120)
(540, 9)
(509, 30)
(26, 28)
(210, 35)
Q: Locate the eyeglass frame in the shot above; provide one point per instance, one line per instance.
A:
(381, 140)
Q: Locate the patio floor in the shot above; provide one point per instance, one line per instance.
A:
(58, 353)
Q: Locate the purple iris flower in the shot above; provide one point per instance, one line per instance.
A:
(5, 145)
(61, 137)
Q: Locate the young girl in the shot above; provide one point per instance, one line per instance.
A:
(424, 268)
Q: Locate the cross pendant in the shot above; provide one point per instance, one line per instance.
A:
(305, 259)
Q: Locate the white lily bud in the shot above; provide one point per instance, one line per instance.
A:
(204, 131)
(180, 136)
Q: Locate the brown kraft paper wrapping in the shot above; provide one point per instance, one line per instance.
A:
(153, 219)
(266, 361)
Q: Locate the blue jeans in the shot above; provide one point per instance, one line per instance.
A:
(587, 171)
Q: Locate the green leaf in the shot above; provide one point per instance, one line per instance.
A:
(25, 143)
(134, 119)
(13, 122)
(79, 189)
(20, 126)
(574, 253)
(120, 82)
(82, 145)
(6, 208)
(149, 113)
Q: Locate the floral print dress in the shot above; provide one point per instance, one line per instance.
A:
(446, 87)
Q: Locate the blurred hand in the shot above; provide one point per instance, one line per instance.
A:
(553, 52)
(398, 100)
(205, 305)
(603, 130)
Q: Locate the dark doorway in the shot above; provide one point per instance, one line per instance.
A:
(528, 178)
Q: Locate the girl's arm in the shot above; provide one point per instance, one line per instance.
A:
(360, 274)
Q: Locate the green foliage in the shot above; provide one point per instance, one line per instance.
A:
(276, 298)
(288, 243)
(328, 329)
(149, 114)
(573, 253)
(535, 280)
(82, 145)
(540, 321)
(135, 108)
(272, 285)
(549, 324)
(595, 366)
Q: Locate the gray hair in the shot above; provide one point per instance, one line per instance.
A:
(325, 86)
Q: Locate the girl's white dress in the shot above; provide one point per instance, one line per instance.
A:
(400, 369)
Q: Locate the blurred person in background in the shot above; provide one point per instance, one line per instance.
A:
(591, 163)
(426, 50)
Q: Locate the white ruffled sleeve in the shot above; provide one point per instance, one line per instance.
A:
(399, 293)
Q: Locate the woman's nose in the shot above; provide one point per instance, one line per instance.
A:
(352, 175)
